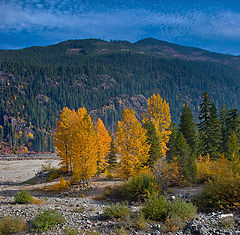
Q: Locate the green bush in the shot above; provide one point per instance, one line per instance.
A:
(12, 224)
(184, 210)
(156, 208)
(181, 211)
(222, 193)
(140, 221)
(139, 187)
(227, 223)
(117, 211)
(54, 175)
(46, 220)
(23, 197)
(70, 231)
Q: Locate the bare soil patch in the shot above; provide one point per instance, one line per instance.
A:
(18, 171)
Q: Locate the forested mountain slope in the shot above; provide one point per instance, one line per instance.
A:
(37, 82)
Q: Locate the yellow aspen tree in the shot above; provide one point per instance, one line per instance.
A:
(131, 145)
(158, 112)
(103, 143)
(62, 138)
(84, 147)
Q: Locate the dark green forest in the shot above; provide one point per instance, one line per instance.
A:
(37, 82)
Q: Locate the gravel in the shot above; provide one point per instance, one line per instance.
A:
(85, 214)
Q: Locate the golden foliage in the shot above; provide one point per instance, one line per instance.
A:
(208, 169)
(25, 150)
(103, 143)
(170, 226)
(62, 185)
(223, 192)
(174, 175)
(63, 137)
(84, 147)
(76, 143)
(235, 164)
(131, 145)
(168, 174)
(204, 168)
(30, 135)
(158, 112)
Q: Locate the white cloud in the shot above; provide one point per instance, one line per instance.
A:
(119, 23)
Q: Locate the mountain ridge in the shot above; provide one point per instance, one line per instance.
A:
(150, 46)
(105, 77)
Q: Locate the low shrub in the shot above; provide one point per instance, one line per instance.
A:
(227, 223)
(23, 197)
(62, 185)
(12, 224)
(208, 169)
(100, 197)
(174, 214)
(222, 193)
(47, 219)
(121, 231)
(70, 231)
(38, 201)
(107, 192)
(54, 175)
(140, 221)
(156, 208)
(79, 209)
(182, 209)
(168, 173)
(88, 232)
(117, 211)
(172, 225)
(139, 187)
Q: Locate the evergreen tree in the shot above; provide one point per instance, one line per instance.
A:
(209, 127)
(1, 134)
(189, 129)
(233, 145)
(233, 123)
(223, 121)
(186, 162)
(204, 125)
(215, 137)
(172, 152)
(153, 140)
(50, 146)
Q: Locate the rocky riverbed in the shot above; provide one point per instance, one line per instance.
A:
(83, 213)
(86, 214)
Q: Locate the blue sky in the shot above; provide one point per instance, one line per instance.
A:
(209, 24)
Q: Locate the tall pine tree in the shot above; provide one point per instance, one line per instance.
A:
(215, 137)
(223, 121)
(186, 161)
(153, 140)
(209, 128)
(189, 129)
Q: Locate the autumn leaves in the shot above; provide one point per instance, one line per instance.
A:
(131, 145)
(81, 146)
(84, 148)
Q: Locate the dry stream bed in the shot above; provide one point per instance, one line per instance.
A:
(80, 210)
